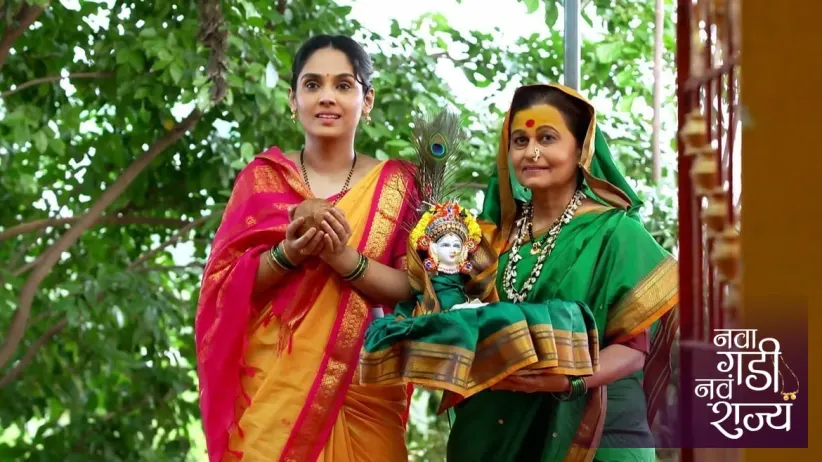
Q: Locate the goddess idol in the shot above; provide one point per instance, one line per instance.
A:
(455, 334)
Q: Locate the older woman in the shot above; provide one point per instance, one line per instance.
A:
(565, 225)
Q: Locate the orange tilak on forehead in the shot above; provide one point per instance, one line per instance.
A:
(530, 119)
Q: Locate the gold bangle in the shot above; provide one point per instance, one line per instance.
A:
(279, 256)
(269, 260)
(287, 257)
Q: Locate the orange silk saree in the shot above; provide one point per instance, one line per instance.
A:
(277, 375)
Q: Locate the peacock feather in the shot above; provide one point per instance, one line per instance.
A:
(436, 141)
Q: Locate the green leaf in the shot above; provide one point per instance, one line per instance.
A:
(159, 65)
(256, 21)
(136, 60)
(20, 133)
(142, 92)
(624, 77)
(41, 141)
(532, 5)
(176, 72)
(606, 52)
(164, 55)
(58, 146)
(122, 56)
(247, 151)
(551, 13)
(626, 103)
(237, 164)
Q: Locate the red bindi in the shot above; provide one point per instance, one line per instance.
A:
(530, 123)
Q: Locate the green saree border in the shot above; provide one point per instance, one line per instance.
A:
(516, 348)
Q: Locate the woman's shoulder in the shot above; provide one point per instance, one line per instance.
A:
(265, 160)
(627, 230)
(400, 164)
(274, 155)
(404, 168)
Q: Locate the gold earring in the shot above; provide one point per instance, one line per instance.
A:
(368, 117)
(294, 116)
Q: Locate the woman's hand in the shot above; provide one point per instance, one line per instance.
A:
(299, 248)
(534, 383)
(336, 233)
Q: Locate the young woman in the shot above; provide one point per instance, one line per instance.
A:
(564, 222)
(281, 315)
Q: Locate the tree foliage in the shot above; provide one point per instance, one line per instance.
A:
(122, 126)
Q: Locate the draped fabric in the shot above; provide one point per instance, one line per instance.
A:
(276, 371)
(605, 259)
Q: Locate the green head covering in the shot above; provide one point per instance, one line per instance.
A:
(601, 179)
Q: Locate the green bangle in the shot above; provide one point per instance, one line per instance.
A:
(578, 388)
(281, 258)
(358, 271)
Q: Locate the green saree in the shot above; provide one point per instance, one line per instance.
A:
(468, 350)
(606, 260)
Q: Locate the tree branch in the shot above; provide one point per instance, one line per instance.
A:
(106, 220)
(56, 78)
(44, 315)
(179, 234)
(448, 56)
(146, 269)
(28, 14)
(25, 268)
(281, 5)
(31, 353)
(215, 38)
(21, 315)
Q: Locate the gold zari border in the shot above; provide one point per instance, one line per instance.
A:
(517, 348)
(648, 301)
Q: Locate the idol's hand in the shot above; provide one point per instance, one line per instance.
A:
(534, 383)
(336, 234)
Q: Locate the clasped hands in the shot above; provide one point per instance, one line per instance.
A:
(327, 241)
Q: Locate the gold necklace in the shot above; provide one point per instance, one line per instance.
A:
(789, 395)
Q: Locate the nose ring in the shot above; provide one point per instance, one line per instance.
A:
(536, 153)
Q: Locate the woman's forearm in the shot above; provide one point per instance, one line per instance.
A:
(269, 275)
(615, 362)
(380, 283)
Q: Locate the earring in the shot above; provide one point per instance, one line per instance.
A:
(294, 116)
(368, 117)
